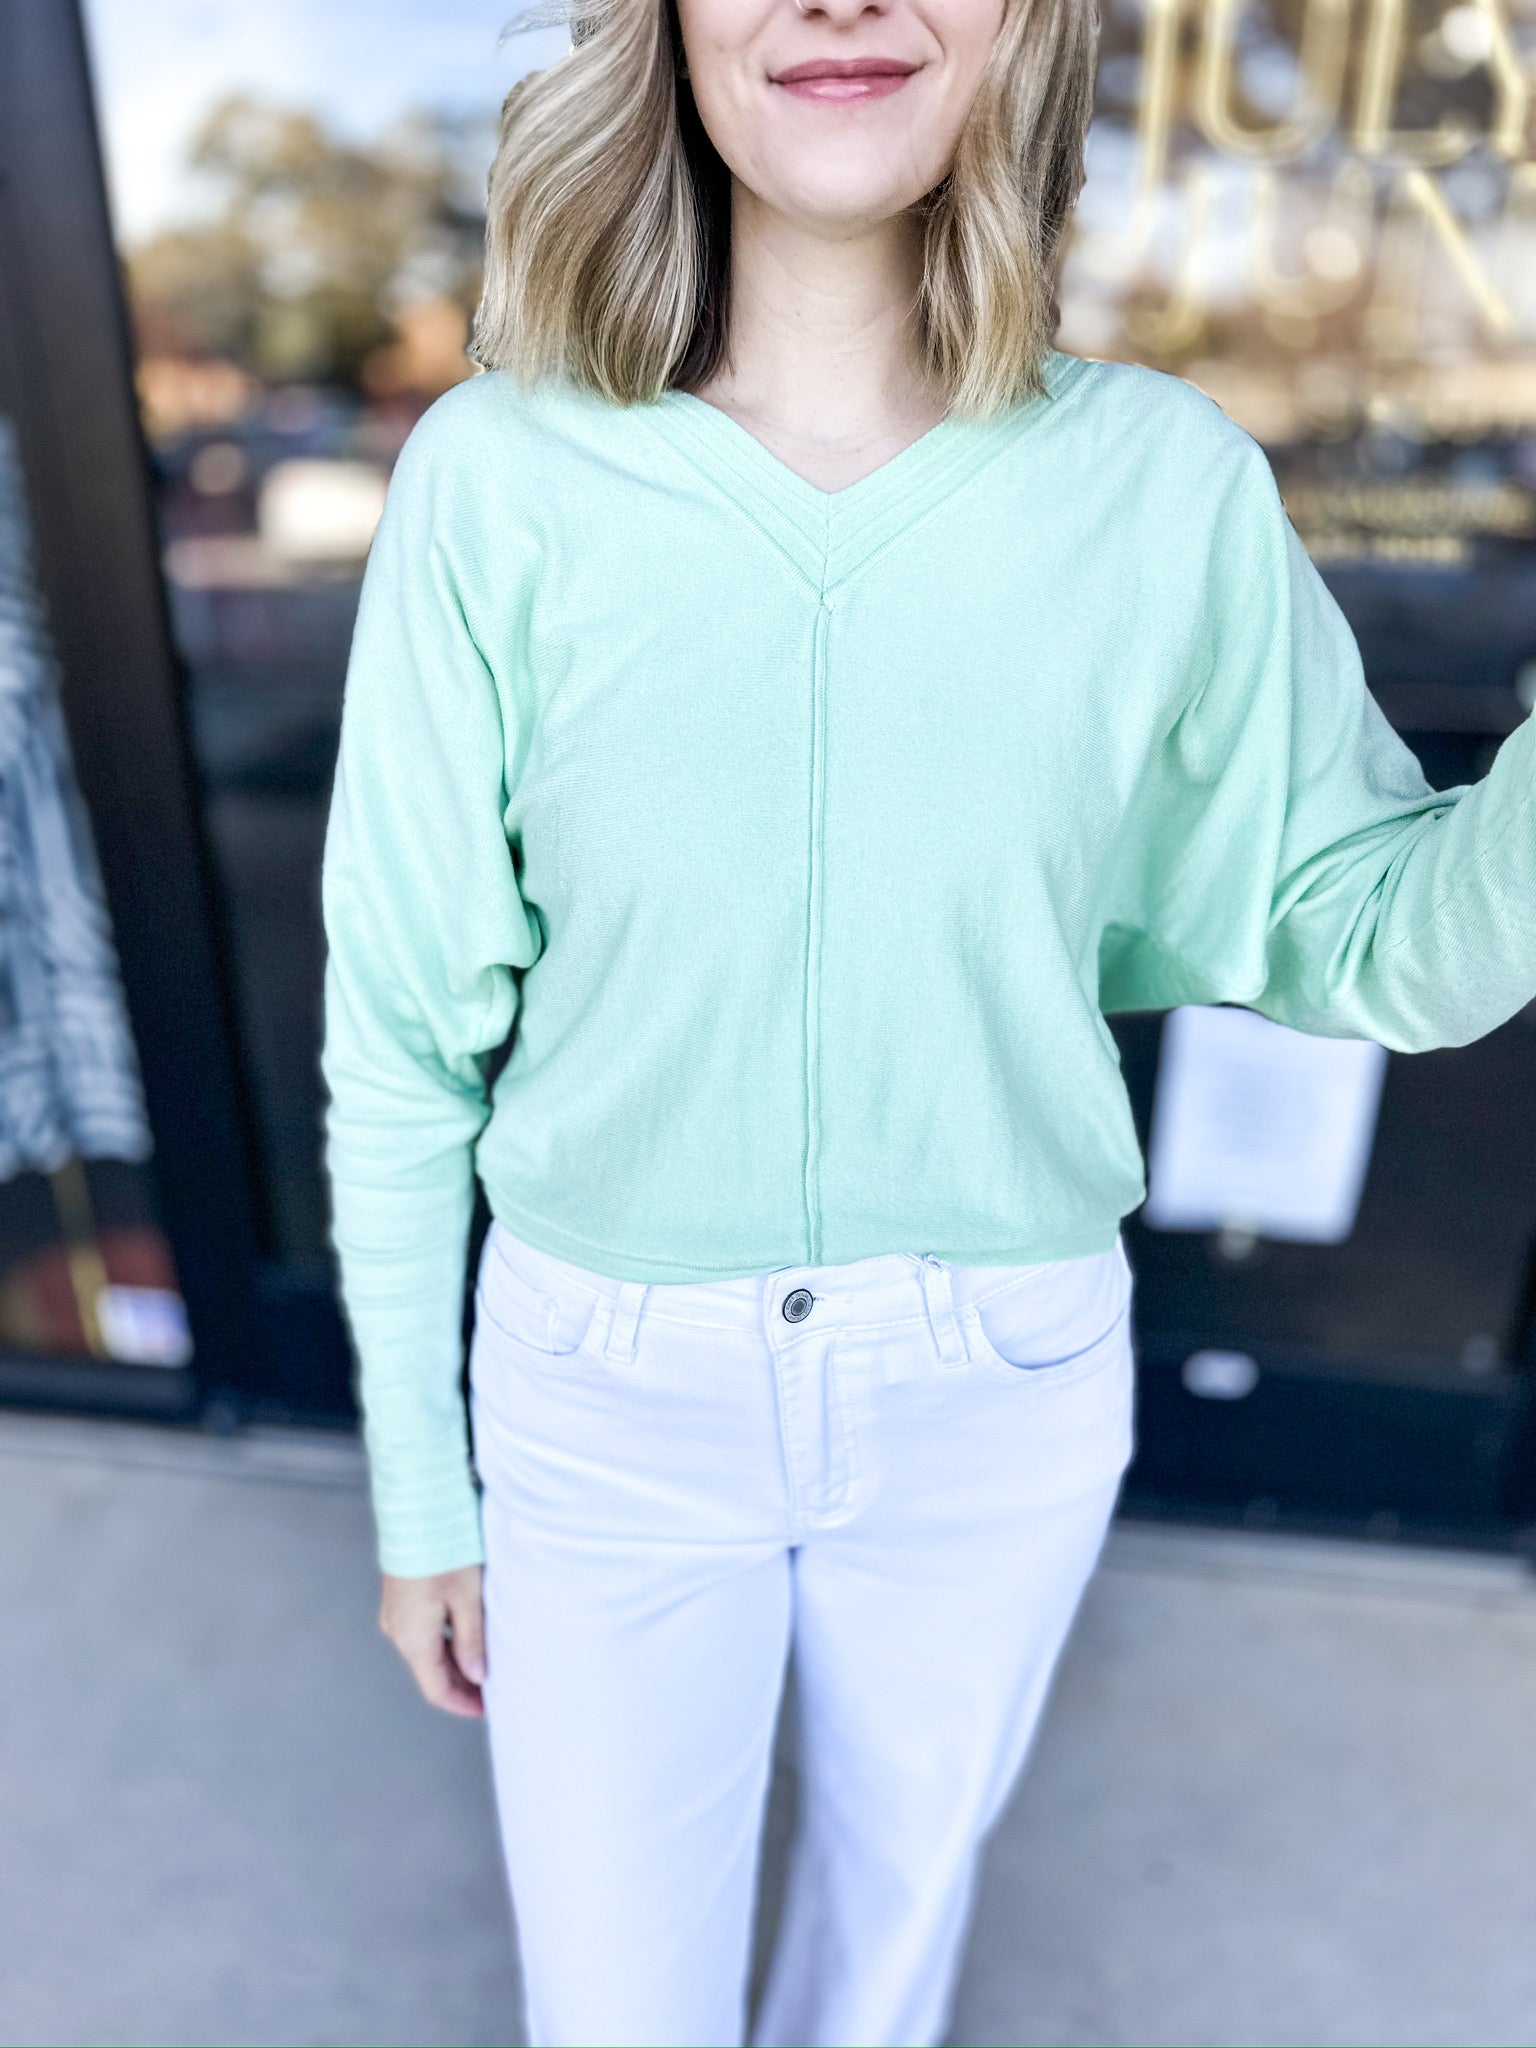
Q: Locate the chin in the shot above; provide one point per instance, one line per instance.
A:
(837, 197)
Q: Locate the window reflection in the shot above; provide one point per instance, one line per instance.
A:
(1323, 212)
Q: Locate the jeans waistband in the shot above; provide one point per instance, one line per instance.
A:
(887, 1287)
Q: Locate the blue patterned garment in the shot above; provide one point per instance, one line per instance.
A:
(69, 1080)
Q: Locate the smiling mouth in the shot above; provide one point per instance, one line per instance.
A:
(835, 81)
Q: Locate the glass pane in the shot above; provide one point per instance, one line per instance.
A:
(300, 216)
(85, 1269)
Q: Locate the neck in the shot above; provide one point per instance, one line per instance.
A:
(822, 358)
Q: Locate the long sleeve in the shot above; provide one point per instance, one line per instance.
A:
(424, 925)
(1296, 859)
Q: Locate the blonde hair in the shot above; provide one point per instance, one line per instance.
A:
(608, 212)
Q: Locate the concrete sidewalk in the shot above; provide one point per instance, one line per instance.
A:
(1286, 1792)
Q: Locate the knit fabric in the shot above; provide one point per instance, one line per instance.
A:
(800, 841)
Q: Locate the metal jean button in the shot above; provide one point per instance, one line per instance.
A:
(797, 1305)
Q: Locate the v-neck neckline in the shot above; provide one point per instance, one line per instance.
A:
(829, 535)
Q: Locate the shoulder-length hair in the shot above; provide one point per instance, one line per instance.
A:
(608, 213)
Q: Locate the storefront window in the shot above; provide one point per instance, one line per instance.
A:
(1320, 212)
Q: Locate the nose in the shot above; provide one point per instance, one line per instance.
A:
(841, 13)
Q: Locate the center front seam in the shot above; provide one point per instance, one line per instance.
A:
(813, 923)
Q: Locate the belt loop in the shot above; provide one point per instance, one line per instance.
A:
(939, 1298)
(627, 1303)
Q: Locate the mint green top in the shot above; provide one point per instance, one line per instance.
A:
(805, 837)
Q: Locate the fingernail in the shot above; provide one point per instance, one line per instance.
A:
(474, 1670)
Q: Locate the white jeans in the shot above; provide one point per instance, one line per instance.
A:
(900, 1469)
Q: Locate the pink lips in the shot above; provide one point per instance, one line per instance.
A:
(835, 81)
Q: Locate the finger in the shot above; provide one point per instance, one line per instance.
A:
(466, 1616)
(442, 1684)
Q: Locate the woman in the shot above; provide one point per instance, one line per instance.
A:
(802, 700)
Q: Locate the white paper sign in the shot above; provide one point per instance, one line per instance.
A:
(144, 1325)
(1260, 1128)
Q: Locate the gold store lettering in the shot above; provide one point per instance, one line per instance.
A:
(1324, 46)
(1344, 246)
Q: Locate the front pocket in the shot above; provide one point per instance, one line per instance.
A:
(1049, 1371)
(553, 1326)
(1049, 1328)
